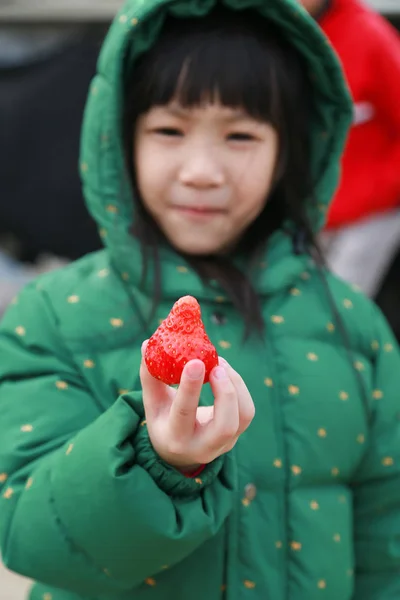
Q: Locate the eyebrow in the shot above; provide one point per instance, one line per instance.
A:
(183, 113)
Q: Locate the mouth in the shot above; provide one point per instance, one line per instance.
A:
(199, 211)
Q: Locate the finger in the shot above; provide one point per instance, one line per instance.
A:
(225, 424)
(245, 401)
(204, 415)
(182, 416)
(156, 394)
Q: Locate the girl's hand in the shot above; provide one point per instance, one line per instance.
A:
(186, 435)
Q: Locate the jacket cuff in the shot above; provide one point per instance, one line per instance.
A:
(169, 479)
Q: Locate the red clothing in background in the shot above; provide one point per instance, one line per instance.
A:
(369, 48)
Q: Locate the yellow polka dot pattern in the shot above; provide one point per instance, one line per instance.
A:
(359, 365)
(296, 546)
(8, 494)
(27, 428)
(69, 449)
(88, 364)
(277, 319)
(61, 385)
(224, 344)
(294, 390)
(116, 323)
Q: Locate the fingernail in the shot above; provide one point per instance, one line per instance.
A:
(195, 370)
(220, 373)
(144, 345)
(223, 362)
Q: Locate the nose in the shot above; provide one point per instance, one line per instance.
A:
(201, 167)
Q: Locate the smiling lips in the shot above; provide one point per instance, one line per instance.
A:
(199, 211)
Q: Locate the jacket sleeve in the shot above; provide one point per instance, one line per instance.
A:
(85, 503)
(377, 485)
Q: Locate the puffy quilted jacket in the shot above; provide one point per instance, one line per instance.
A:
(306, 506)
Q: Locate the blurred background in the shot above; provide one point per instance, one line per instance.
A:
(48, 52)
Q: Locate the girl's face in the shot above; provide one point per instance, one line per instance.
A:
(204, 173)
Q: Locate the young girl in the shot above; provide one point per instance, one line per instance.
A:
(211, 145)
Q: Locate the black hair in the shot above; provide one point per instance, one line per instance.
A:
(242, 61)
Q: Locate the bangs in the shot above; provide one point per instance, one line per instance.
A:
(230, 59)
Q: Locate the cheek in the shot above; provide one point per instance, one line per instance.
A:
(148, 178)
(142, 163)
(254, 182)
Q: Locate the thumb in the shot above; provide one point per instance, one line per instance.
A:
(184, 407)
(156, 394)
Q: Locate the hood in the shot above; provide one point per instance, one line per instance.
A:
(106, 184)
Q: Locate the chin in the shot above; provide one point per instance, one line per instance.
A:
(200, 251)
(197, 250)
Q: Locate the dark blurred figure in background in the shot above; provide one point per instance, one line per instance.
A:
(44, 77)
(363, 228)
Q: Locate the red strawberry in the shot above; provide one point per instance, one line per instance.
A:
(180, 337)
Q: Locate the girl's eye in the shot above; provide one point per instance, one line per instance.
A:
(169, 131)
(241, 137)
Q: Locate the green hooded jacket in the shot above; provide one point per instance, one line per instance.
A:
(306, 506)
